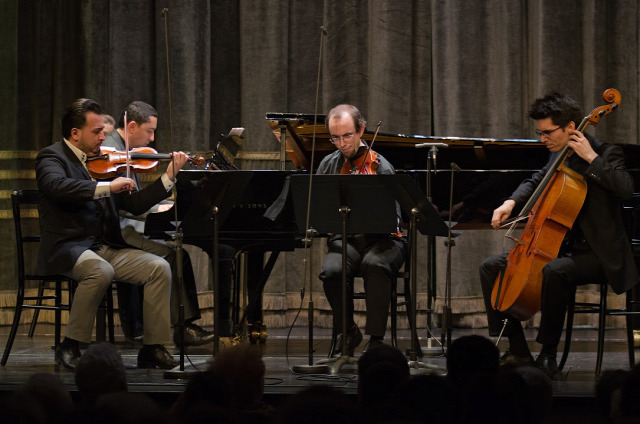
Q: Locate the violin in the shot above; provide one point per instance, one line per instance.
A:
(142, 160)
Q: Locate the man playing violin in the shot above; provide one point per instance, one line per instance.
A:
(375, 257)
(594, 250)
(142, 121)
(81, 235)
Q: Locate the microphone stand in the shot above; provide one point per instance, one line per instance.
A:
(446, 311)
(413, 351)
(431, 250)
(180, 373)
(311, 368)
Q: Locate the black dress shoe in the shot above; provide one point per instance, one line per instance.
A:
(68, 357)
(549, 365)
(512, 360)
(354, 338)
(156, 356)
(371, 344)
(194, 335)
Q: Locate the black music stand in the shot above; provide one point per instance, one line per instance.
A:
(423, 218)
(344, 204)
(218, 193)
(352, 204)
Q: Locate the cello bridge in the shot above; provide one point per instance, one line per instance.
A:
(515, 240)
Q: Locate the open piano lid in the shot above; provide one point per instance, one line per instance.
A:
(400, 149)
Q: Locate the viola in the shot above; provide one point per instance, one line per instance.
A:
(142, 160)
(366, 164)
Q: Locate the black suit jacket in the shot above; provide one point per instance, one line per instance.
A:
(600, 218)
(70, 218)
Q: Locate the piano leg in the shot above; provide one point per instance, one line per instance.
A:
(253, 312)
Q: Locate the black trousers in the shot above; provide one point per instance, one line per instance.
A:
(378, 263)
(560, 277)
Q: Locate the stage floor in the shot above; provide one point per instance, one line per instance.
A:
(573, 396)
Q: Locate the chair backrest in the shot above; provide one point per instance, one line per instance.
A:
(631, 219)
(22, 202)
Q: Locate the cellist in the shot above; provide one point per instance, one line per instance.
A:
(594, 251)
(376, 257)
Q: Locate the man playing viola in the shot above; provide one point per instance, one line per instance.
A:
(375, 257)
(81, 235)
(594, 251)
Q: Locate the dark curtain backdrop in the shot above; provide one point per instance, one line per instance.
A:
(454, 68)
(432, 67)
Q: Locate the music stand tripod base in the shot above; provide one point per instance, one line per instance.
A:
(311, 369)
(338, 362)
(179, 375)
(432, 351)
(417, 367)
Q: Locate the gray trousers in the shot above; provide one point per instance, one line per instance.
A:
(185, 292)
(95, 271)
(378, 264)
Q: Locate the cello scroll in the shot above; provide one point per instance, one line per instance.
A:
(610, 95)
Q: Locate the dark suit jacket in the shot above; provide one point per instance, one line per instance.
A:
(600, 218)
(70, 219)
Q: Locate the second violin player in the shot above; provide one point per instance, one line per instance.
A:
(141, 126)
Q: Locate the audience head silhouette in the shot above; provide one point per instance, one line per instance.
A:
(100, 370)
(319, 405)
(471, 356)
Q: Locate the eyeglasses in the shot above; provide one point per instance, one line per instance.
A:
(346, 137)
(546, 132)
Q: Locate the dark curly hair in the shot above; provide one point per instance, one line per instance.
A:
(560, 108)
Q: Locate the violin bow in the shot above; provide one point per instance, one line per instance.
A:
(373, 140)
(126, 145)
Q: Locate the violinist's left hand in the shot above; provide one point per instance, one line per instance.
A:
(579, 143)
(178, 161)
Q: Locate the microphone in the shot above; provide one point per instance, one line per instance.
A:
(421, 145)
(455, 167)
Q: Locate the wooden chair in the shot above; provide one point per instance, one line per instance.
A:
(24, 201)
(404, 277)
(631, 216)
(50, 287)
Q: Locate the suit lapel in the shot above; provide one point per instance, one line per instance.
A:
(75, 162)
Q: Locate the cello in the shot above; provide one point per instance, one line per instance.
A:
(550, 213)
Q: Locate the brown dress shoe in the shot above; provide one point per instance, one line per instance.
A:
(194, 335)
(156, 357)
